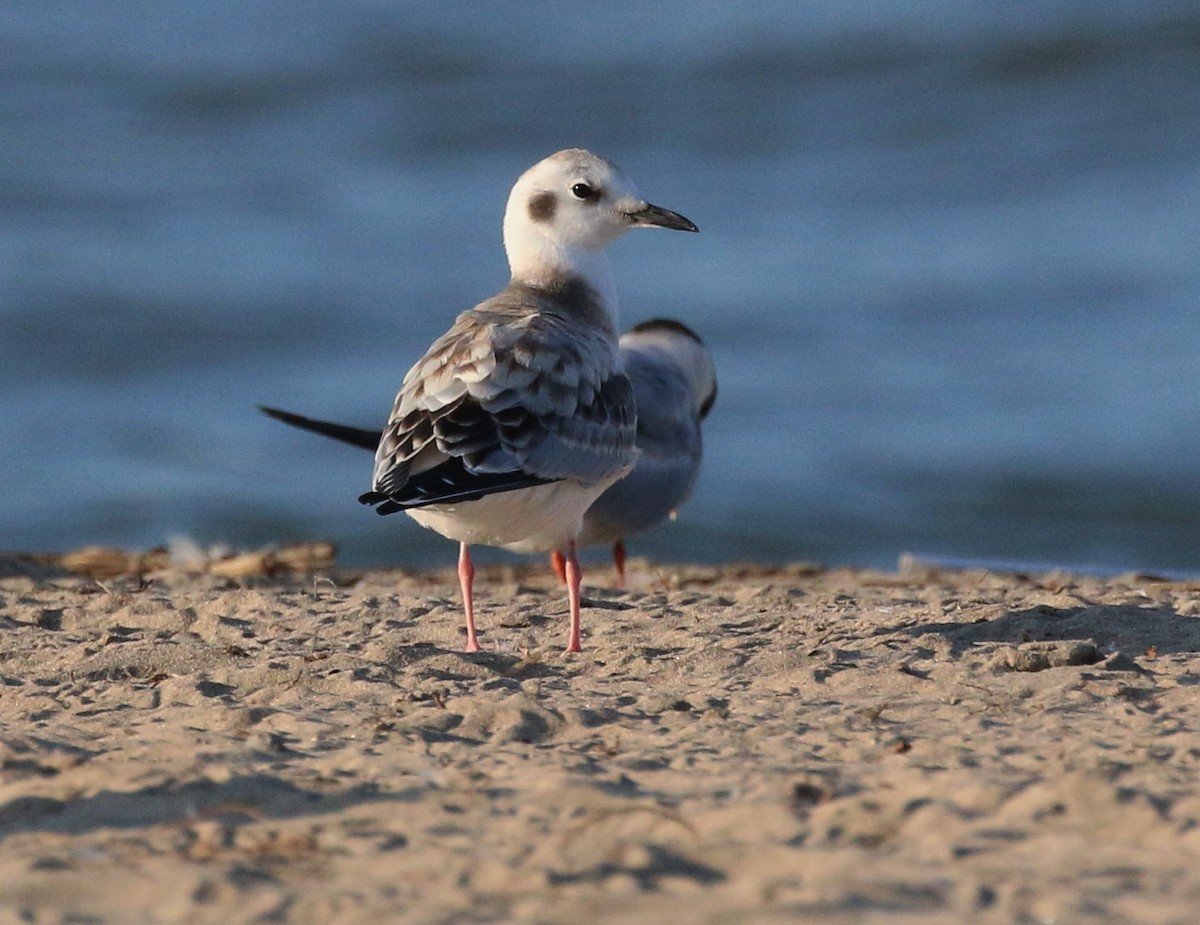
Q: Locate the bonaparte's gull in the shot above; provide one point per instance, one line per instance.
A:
(520, 416)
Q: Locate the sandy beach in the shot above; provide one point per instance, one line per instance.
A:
(733, 745)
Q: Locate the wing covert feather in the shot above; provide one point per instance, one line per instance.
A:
(507, 395)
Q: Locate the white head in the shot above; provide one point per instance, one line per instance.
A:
(685, 349)
(564, 210)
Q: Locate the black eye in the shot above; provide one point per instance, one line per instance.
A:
(582, 191)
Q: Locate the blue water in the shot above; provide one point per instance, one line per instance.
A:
(949, 262)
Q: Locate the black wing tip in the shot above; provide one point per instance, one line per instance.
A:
(277, 413)
(708, 403)
(451, 483)
(386, 504)
(343, 433)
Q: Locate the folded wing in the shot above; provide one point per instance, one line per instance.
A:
(506, 399)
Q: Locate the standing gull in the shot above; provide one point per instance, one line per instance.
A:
(521, 415)
(674, 387)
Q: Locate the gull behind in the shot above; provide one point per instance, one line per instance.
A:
(674, 386)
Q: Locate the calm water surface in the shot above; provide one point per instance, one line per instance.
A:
(948, 264)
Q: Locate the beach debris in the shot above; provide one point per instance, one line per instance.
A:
(1038, 656)
(103, 563)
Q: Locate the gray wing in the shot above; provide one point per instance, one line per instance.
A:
(670, 449)
(505, 399)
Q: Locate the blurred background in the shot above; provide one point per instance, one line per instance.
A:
(948, 263)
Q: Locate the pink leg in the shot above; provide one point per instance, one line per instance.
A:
(619, 561)
(559, 564)
(466, 578)
(574, 577)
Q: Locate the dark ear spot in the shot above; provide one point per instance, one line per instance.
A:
(541, 207)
